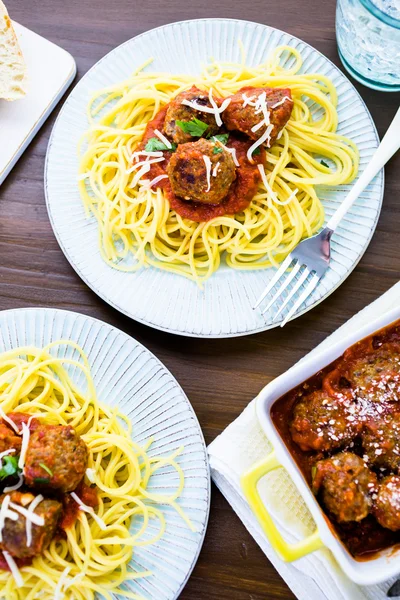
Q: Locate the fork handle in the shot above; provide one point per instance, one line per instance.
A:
(388, 146)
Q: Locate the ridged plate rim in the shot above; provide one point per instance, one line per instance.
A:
(101, 290)
(32, 316)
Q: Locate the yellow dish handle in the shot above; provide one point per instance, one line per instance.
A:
(287, 552)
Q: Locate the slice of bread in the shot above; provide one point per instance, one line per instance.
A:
(12, 64)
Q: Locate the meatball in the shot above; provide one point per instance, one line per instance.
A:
(381, 442)
(346, 486)
(9, 439)
(376, 376)
(387, 503)
(56, 458)
(14, 532)
(189, 177)
(180, 112)
(322, 423)
(244, 111)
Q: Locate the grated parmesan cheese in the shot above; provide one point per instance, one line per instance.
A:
(90, 511)
(271, 191)
(36, 519)
(8, 420)
(150, 161)
(31, 509)
(213, 110)
(58, 593)
(215, 170)
(13, 568)
(265, 136)
(149, 184)
(90, 474)
(16, 486)
(26, 433)
(232, 151)
(207, 162)
(163, 139)
(281, 102)
(155, 154)
(145, 169)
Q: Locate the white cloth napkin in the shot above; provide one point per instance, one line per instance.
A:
(316, 576)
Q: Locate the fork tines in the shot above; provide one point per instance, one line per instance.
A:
(284, 285)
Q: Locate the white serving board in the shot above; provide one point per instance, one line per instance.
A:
(50, 72)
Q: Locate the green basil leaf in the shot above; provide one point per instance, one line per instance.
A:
(46, 468)
(156, 145)
(257, 151)
(217, 149)
(195, 127)
(41, 480)
(221, 137)
(9, 467)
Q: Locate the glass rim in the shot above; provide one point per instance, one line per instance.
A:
(379, 14)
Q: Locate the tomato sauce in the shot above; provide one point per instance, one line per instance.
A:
(21, 562)
(87, 494)
(363, 539)
(241, 191)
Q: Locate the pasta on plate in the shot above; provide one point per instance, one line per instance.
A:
(137, 225)
(89, 548)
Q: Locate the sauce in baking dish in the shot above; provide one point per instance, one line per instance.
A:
(342, 427)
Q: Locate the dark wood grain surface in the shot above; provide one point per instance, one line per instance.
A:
(220, 377)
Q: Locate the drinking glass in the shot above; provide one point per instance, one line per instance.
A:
(368, 37)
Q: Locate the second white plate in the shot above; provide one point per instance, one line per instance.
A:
(164, 300)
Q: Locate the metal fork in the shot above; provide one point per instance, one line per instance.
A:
(311, 257)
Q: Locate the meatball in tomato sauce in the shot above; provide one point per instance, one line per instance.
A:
(198, 173)
(381, 442)
(14, 533)
(387, 504)
(56, 458)
(245, 112)
(322, 423)
(180, 112)
(376, 376)
(346, 485)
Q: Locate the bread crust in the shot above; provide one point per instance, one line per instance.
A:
(12, 64)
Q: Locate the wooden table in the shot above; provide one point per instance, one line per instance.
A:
(219, 377)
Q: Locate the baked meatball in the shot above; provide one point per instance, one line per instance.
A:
(387, 503)
(381, 442)
(244, 112)
(14, 532)
(376, 376)
(346, 486)
(56, 458)
(180, 112)
(189, 177)
(322, 423)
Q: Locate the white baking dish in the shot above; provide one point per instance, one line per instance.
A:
(384, 565)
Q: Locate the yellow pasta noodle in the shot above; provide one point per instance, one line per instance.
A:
(89, 560)
(136, 226)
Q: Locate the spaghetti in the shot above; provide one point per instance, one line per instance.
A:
(137, 228)
(94, 555)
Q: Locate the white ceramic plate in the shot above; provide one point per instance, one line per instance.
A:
(127, 375)
(50, 72)
(170, 302)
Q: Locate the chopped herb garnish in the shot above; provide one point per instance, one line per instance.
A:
(195, 127)
(221, 137)
(46, 468)
(217, 149)
(257, 151)
(9, 467)
(313, 471)
(156, 145)
(41, 480)
(325, 164)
